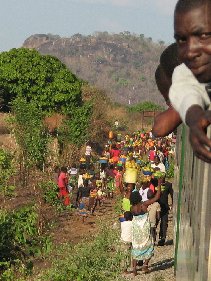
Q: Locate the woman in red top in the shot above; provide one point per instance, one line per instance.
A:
(62, 184)
(115, 153)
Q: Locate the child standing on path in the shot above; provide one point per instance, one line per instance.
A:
(142, 241)
(62, 184)
(126, 238)
(126, 201)
(154, 214)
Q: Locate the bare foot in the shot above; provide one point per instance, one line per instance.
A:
(145, 269)
(134, 272)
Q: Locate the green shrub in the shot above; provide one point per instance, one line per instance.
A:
(6, 170)
(50, 192)
(145, 106)
(93, 259)
(170, 171)
(20, 241)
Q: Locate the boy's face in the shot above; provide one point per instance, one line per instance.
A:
(193, 35)
(157, 161)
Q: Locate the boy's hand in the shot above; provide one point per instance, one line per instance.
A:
(198, 120)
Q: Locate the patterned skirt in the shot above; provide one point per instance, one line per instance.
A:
(142, 241)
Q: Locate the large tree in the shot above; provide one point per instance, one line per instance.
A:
(43, 79)
(47, 83)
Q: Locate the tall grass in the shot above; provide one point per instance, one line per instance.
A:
(96, 258)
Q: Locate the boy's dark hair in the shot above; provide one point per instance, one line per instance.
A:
(187, 5)
(154, 181)
(86, 182)
(169, 59)
(157, 157)
(128, 216)
(120, 168)
(64, 169)
(150, 194)
(135, 197)
(163, 82)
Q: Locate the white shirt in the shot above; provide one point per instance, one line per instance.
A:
(143, 193)
(186, 91)
(102, 175)
(73, 171)
(88, 150)
(80, 180)
(161, 166)
(126, 231)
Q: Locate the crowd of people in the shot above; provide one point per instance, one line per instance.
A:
(133, 169)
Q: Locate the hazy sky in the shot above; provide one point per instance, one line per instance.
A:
(21, 18)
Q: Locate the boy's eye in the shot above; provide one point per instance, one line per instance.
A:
(180, 40)
(206, 35)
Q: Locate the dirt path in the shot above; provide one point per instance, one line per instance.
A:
(74, 230)
(70, 228)
(161, 265)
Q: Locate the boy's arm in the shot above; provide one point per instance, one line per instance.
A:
(157, 195)
(166, 122)
(198, 120)
(171, 192)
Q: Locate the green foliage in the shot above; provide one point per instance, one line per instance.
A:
(42, 79)
(50, 190)
(19, 241)
(90, 260)
(142, 78)
(30, 132)
(118, 205)
(123, 82)
(170, 171)
(75, 128)
(50, 195)
(145, 106)
(6, 171)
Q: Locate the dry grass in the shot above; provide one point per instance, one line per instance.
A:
(54, 121)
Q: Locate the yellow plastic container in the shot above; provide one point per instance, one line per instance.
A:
(131, 175)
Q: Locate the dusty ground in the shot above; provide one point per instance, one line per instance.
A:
(161, 265)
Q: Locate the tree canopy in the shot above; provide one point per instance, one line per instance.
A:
(40, 78)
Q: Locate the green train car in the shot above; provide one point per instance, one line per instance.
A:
(192, 213)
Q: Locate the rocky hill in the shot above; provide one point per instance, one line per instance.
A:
(121, 64)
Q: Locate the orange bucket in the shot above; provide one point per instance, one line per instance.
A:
(110, 135)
